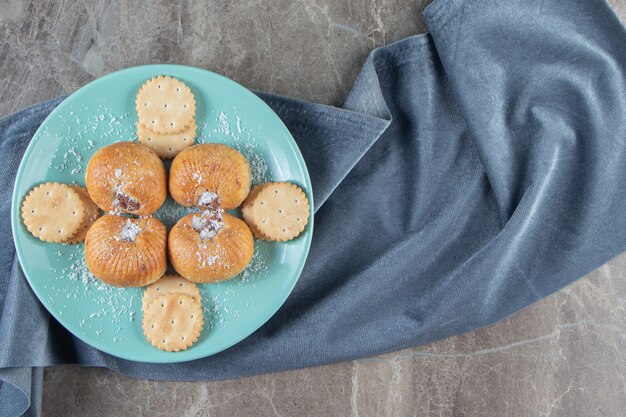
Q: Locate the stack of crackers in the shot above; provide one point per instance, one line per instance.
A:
(166, 110)
(61, 213)
(172, 313)
(166, 123)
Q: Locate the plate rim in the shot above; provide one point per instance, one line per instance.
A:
(172, 68)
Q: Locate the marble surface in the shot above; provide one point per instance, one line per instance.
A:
(563, 356)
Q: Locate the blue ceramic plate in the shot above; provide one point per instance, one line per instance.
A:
(103, 112)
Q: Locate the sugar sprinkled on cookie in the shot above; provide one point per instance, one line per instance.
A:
(126, 252)
(208, 169)
(208, 200)
(129, 231)
(126, 177)
(205, 248)
(209, 223)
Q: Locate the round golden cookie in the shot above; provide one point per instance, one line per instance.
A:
(167, 146)
(203, 249)
(126, 252)
(210, 175)
(173, 321)
(127, 177)
(53, 212)
(92, 212)
(169, 283)
(278, 211)
(165, 105)
(247, 213)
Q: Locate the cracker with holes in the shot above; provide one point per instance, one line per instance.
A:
(277, 211)
(167, 146)
(92, 212)
(173, 322)
(248, 214)
(53, 212)
(165, 105)
(170, 283)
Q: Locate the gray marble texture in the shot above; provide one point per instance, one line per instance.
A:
(563, 356)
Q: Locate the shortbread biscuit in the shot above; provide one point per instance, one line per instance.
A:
(165, 105)
(126, 252)
(170, 283)
(173, 322)
(247, 213)
(167, 146)
(279, 211)
(53, 212)
(210, 246)
(92, 212)
(127, 177)
(210, 175)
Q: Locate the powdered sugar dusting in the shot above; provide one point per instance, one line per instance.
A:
(205, 259)
(208, 233)
(208, 224)
(198, 222)
(82, 136)
(129, 231)
(232, 131)
(111, 308)
(224, 126)
(258, 166)
(209, 199)
(259, 264)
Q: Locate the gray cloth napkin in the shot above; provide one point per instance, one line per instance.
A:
(471, 172)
